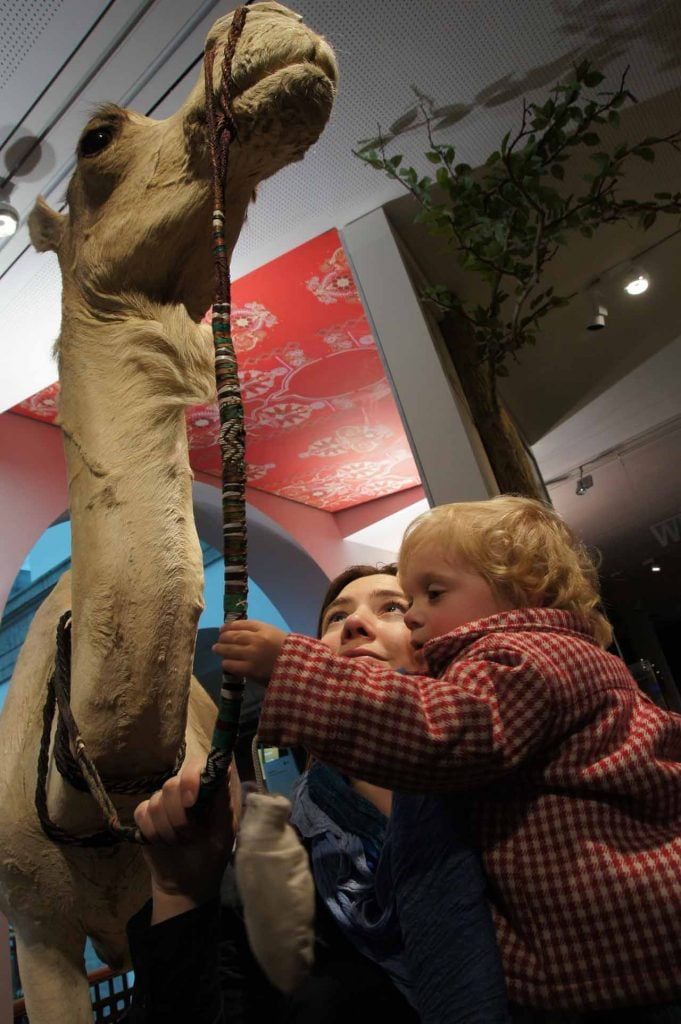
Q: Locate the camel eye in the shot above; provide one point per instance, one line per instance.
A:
(95, 141)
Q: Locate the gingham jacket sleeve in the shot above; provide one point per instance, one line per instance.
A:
(485, 715)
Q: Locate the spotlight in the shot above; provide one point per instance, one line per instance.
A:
(584, 482)
(599, 311)
(655, 567)
(9, 219)
(636, 282)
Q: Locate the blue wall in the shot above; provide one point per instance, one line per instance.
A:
(54, 547)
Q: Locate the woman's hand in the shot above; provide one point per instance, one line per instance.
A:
(188, 850)
(249, 648)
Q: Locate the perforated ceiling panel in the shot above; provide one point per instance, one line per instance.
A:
(22, 25)
(475, 60)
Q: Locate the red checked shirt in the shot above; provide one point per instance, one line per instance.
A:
(572, 777)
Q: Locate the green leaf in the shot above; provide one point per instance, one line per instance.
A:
(558, 171)
(442, 177)
(593, 78)
(395, 161)
(434, 156)
(590, 139)
(662, 195)
(646, 153)
(648, 219)
(586, 231)
(493, 158)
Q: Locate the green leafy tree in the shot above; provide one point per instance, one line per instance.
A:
(507, 220)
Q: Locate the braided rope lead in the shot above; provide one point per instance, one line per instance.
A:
(58, 693)
(221, 132)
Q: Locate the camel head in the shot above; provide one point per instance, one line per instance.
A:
(140, 202)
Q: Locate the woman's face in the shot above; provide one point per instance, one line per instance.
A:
(367, 619)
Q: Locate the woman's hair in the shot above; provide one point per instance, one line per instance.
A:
(349, 575)
(521, 547)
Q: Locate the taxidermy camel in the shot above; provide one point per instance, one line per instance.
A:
(135, 256)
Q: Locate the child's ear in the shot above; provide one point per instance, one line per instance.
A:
(46, 226)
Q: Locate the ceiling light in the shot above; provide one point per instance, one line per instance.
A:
(598, 311)
(9, 219)
(636, 282)
(655, 567)
(584, 482)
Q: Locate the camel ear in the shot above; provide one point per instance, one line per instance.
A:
(46, 226)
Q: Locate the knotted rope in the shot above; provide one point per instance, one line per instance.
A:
(81, 770)
(221, 132)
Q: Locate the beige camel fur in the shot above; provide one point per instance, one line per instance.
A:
(135, 256)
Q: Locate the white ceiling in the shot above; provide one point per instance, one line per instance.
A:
(475, 58)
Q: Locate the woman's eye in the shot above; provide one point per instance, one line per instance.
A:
(335, 617)
(95, 141)
(396, 606)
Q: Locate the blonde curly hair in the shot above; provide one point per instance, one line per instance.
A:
(522, 548)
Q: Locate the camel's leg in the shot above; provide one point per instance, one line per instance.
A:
(54, 981)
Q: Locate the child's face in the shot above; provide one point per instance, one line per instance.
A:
(445, 594)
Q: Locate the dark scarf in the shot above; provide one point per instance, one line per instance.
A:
(345, 834)
(422, 915)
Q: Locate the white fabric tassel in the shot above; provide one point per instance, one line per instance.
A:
(277, 890)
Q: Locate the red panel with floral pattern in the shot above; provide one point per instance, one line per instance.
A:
(322, 426)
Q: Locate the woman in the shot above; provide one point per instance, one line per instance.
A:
(187, 968)
(401, 886)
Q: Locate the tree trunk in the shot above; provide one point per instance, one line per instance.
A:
(514, 470)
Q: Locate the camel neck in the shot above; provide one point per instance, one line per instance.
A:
(137, 568)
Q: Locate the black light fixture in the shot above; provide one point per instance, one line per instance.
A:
(584, 482)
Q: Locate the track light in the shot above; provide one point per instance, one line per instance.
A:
(584, 482)
(598, 313)
(636, 281)
(9, 219)
(655, 567)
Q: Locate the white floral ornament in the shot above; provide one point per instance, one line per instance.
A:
(336, 283)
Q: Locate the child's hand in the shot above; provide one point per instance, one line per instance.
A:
(249, 648)
(188, 850)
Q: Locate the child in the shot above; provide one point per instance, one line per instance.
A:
(570, 776)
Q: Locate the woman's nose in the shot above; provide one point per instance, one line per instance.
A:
(356, 624)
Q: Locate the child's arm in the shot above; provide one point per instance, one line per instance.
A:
(486, 714)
